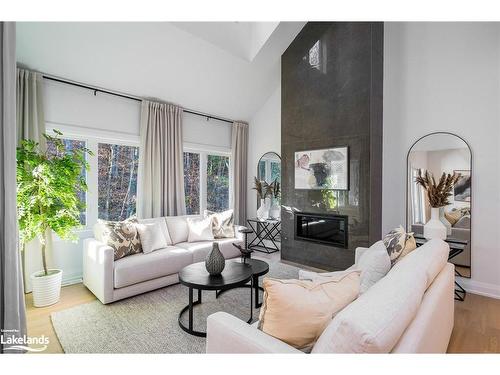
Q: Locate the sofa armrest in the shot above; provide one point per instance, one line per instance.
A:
(98, 265)
(228, 334)
(359, 251)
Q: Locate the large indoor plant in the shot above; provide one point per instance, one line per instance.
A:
(47, 199)
(437, 194)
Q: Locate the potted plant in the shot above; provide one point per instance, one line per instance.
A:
(263, 189)
(438, 194)
(275, 210)
(47, 200)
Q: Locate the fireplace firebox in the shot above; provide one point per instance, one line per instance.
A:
(322, 228)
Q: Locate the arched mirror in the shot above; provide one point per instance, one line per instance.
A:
(439, 153)
(269, 168)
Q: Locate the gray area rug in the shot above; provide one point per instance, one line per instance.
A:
(148, 323)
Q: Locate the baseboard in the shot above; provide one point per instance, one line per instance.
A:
(72, 279)
(478, 287)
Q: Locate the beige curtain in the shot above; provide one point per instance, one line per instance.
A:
(29, 116)
(239, 151)
(12, 311)
(161, 167)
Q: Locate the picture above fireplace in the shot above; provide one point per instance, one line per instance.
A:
(326, 229)
(322, 169)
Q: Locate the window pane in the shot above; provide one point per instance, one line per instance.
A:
(192, 182)
(117, 181)
(217, 183)
(70, 144)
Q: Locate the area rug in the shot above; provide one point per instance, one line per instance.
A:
(148, 323)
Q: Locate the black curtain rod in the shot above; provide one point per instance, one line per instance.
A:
(96, 90)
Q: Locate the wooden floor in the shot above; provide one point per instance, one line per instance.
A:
(477, 321)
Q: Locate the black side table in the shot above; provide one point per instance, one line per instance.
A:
(195, 276)
(259, 268)
(456, 247)
(270, 230)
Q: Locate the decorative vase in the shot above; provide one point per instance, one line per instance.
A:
(46, 288)
(434, 228)
(275, 210)
(263, 210)
(445, 221)
(215, 262)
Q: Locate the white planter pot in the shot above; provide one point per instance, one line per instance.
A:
(434, 227)
(46, 289)
(275, 211)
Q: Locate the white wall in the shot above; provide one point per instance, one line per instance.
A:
(446, 77)
(264, 135)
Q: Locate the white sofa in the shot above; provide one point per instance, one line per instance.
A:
(410, 310)
(112, 280)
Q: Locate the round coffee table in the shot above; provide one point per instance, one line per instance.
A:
(259, 268)
(195, 276)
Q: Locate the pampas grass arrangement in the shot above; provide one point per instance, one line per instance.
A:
(438, 193)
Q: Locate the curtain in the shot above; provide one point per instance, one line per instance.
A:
(239, 151)
(12, 310)
(30, 118)
(161, 167)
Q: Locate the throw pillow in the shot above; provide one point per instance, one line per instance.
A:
(394, 242)
(200, 229)
(410, 245)
(453, 216)
(373, 265)
(122, 236)
(297, 311)
(152, 237)
(222, 223)
(463, 223)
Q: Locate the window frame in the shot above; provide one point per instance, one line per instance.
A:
(205, 150)
(92, 138)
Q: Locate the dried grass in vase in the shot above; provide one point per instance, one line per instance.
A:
(439, 193)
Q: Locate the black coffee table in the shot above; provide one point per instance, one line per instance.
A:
(195, 276)
(259, 268)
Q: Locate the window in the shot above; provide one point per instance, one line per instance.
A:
(117, 181)
(206, 181)
(217, 183)
(70, 144)
(192, 182)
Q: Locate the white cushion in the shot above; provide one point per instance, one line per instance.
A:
(374, 264)
(152, 237)
(163, 225)
(200, 229)
(178, 228)
(201, 249)
(142, 267)
(376, 320)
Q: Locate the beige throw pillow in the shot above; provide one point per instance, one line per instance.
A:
(222, 223)
(152, 237)
(122, 236)
(200, 229)
(297, 311)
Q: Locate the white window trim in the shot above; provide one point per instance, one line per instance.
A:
(92, 139)
(205, 150)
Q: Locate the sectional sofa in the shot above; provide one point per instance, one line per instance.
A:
(112, 280)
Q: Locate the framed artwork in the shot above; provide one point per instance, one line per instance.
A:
(322, 169)
(461, 190)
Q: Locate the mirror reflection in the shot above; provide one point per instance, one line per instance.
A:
(440, 153)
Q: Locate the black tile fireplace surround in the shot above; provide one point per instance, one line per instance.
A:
(332, 96)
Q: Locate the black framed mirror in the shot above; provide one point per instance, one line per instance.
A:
(269, 168)
(439, 153)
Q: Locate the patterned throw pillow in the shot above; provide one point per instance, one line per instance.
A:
(122, 236)
(395, 242)
(410, 245)
(222, 223)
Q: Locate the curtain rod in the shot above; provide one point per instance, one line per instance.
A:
(126, 96)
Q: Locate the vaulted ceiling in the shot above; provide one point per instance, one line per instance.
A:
(224, 68)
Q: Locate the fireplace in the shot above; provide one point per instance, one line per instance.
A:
(322, 228)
